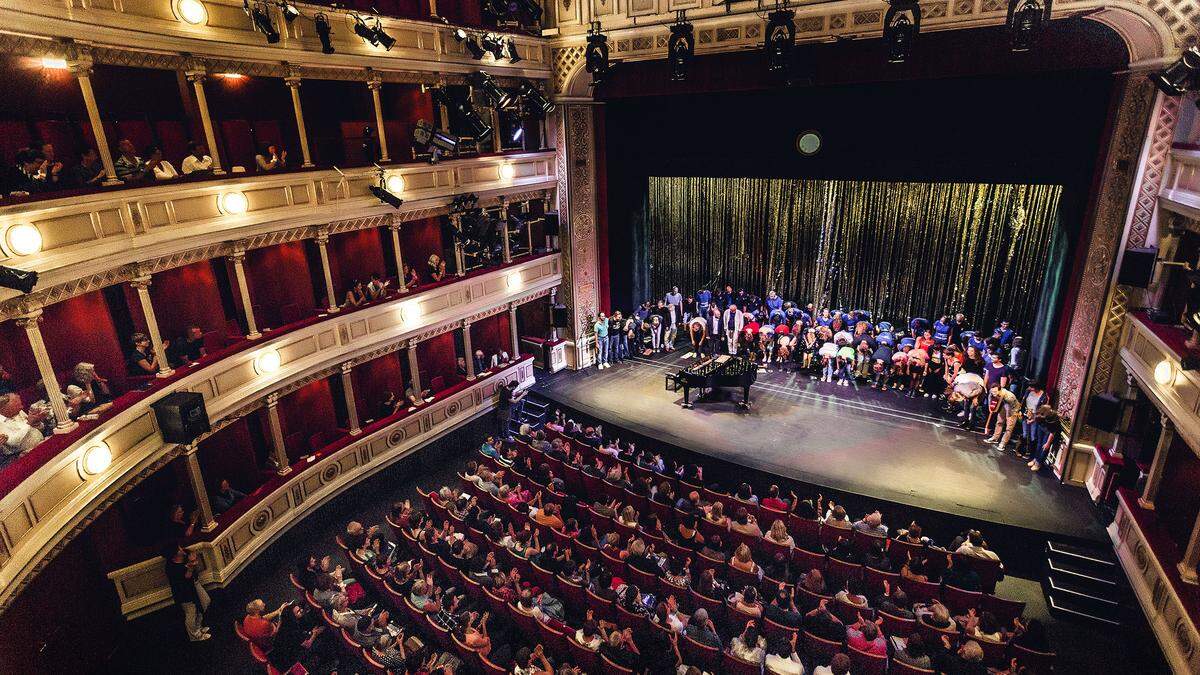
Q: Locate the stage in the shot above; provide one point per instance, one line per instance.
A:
(879, 445)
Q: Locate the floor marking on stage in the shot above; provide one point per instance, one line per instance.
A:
(827, 398)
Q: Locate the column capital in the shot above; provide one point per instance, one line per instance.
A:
(196, 76)
(322, 237)
(413, 342)
(292, 81)
(141, 282)
(347, 367)
(33, 316)
(374, 83)
(190, 450)
(237, 255)
(272, 399)
(466, 323)
(512, 306)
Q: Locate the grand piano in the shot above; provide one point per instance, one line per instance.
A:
(710, 374)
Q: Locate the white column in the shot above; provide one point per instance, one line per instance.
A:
(83, 73)
(29, 322)
(460, 260)
(142, 284)
(1154, 478)
(395, 228)
(512, 328)
(1191, 557)
(239, 272)
(375, 84)
(504, 230)
(196, 77)
(284, 465)
(414, 370)
(199, 489)
(348, 393)
(293, 84)
(322, 243)
(467, 350)
(553, 302)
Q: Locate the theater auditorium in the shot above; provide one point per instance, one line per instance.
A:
(574, 337)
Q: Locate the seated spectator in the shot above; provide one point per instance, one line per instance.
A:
(50, 171)
(87, 392)
(270, 158)
(6, 383)
(838, 665)
(911, 651)
(411, 278)
(355, 535)
(356, 295)
(701, 629)
(130, 168)
(851, 594)
(197, 162)
(377, 287)
(300, 637)
(813, 581)
(437, 267)
(976, 547)
(960, 576)
(778, 534)
(225, 497)
(346, 617)
(865, 637)
(22, 177)
(527, 662)
(259, 625)
(414, 397)
(19, 430)
(142, 360)
(872, 524)
(983, 627)
(389, 651)
(822, 623)
(782, 609)
(189, 348)
(836, 517)
(967, 660)
(745, 523)
(894, 601)
(500, 358)
(327, 592)
(938, 616)
(588, 634)
(88, 172)
(746, 601)
(773, 500)
(161, 168)
(749, 646)
(716, 514)
(743, 560)
(781, 658)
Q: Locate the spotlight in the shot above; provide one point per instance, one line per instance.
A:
(497, 97)
(680, 46)
(510, 51)
(494, 44)
(384, 195)
(463, 114)
(535, 101)
(260, 16)
(323, 32)
(518, 132)
(781, 39)
(901, 24)
(1026, 19)
(1180, 76)
(18, 280)
(289, 11)
(470, 43)
(595, 55)
(434, 141)
(382, 38)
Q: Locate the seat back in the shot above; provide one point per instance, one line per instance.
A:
(1004, 610)
(581, 656)
(987, 569)
(897, 625)
(958, 601)
(820, 649)
(700, 655)
(1038, 662)
(901, 668)
(735, 666)
(874, 579)
(805, 560)
(607, 667)
(770, 629)
(933, 635)
(863, 663)
(841, 571)
(995, 654)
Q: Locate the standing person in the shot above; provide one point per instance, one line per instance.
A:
(197, 162)
(183, 569)
(712, 328)
(731, 322)
(697, 336)
(689, 309)
(672, 317)
(1048, 432)
(674, 300)
(600, 326)
(1035, 397)
(1008, 411)
(1017, 356)
(615, 325)
(703, 302)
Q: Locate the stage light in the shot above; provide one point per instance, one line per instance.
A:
(1180, 76)
(24, 239)
(381, 37)
(96, 458)
(51, 63)
(497, 97)
(362, 30)
(507, 171)
(234, 203)
(260, 16)
(463, 113)
(535, 101)
(324, 31)
(808, 143)
(781, 40)
(289, 11)
(267, 362)
(434, 141)
(595, 54)
(469, 43)
(680, 47)
(510, 51)
(1026, 20)
(1164, 372)
(191, 11)
(18, 280)
(394, 183)
(383, 191)
(901, 25)
(518, 132)
(493, 44)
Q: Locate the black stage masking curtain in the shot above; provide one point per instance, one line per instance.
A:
(898, 250)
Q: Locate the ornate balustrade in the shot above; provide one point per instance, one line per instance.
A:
(1151, 354)
(1181, 185)
(61, 496)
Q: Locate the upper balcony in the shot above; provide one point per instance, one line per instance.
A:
(1181, 186)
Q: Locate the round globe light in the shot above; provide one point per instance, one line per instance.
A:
(1164, 373)
(267, 362)
(96, 458)
(191, 11)
(24, 239)
(394, 183)
(507, 171)
(234, 203)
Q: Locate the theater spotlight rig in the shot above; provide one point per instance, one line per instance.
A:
(260, 17)
(383, 192)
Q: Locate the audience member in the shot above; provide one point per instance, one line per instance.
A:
(197, 162)
(130, 167)
(270, 158)
(225, 497)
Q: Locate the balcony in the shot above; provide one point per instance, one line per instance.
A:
(52, 491)
(1152, 353)
(1180, 191)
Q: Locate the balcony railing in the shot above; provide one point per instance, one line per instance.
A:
(1181, 186)
(1152, 354)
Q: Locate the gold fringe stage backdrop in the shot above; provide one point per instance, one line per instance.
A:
(899, 250)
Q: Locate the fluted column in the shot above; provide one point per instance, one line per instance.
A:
(395, 229)
(504, 230)
(196, 77)
(199, 489)
(553, 302)
(322, 247)
(413, 368)
(63, 421)
(293, 84)
(239, 272)
(460, 260)
(348, 393)
(1191, 556)
(467, 350)
(83, 74)
(1154, 478)
(375, 84)
(512, 328)
(142, 284)
(284, 466)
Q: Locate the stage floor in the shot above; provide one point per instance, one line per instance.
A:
(853, 439)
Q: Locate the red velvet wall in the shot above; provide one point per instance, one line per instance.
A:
(248, 112)
(304, 413)
(374, 379)
(435, 358)
(16, 356)
(354, 255)
(82, 329)
(491, 334)
(230, 454)
(328, 103)
(182, 296)
(533, 318)
(280, 286)
(461, 12)
(1178, 500)
(406, 104)
(419, 239)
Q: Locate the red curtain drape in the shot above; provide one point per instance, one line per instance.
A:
(418, 240)
(533, 318)
(182, 296)
(436, 357)
(374, 379)
(307, 414)
(491, 334)
(230, 454)
(280, 286)
(354, 255)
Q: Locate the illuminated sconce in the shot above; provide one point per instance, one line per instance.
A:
(507, 172)
(234, 203)
(191, 11)
(411, 313)
(232, 76)
(54, 64)
(1164, 373)
(267, 362)
(514, 281)
(394, 183)
(96, 458)
(23, 239)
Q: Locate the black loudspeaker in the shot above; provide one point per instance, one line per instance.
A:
(558, 316)
(181, 417)
(1137, 267)
(550, 224)
(1104, 412)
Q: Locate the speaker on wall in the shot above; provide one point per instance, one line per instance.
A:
(558, 316)
(1137, 267)
(182, 417)
(1104, 412)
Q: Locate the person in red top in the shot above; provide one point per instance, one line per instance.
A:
(260, 628)
(773, 501)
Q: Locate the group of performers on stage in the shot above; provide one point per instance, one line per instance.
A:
(980, 374)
